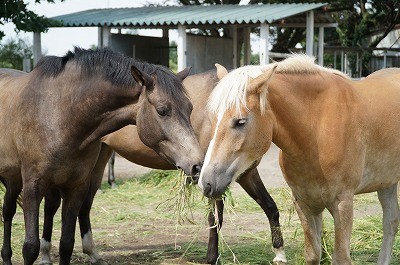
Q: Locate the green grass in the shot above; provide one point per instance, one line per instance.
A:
(134, 225)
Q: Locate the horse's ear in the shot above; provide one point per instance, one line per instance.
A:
(221, 71)
(261, 82)
(184, 73)
(140, 77)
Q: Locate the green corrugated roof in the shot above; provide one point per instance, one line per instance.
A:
(186, 15)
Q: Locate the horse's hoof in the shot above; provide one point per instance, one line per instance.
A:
(280, 258)
(278, 261)
(99, 262)
(113, 186)
(212, 259)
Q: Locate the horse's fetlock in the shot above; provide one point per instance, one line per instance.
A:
(30, 251)
(6, 254)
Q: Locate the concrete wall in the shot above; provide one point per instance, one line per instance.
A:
(150, 49)
(204, 51)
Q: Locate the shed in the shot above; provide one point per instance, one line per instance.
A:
(189, 47)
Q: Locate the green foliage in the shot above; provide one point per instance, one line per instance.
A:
(158, 177)
(12, 53)
(173, 57)
(16, 11)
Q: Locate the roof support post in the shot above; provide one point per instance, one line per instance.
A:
(310, 33)
(264, 36)
(234, 46)
(247, 49)
(165, 32)
(321, 46)
(106, 33)
(182, 56)
(37, 47)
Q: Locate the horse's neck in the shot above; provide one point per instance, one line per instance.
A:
(199, 88)
(292, 99)
(91, 107)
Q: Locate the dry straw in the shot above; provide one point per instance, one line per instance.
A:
(184, 196)
(182, 199)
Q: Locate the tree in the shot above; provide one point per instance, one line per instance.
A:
(16, 11)
(12, 53)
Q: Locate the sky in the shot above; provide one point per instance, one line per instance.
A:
(57, 41)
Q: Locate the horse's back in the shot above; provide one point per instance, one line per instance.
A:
(11, 72)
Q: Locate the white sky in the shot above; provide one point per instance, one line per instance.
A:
(57, 41)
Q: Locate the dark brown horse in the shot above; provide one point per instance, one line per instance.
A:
(52, 123)
(127, 143)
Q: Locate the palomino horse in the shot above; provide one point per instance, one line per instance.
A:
(337, 137)
(54, 117)
(128, 144)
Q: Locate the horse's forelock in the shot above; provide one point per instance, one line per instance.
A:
(230, 92)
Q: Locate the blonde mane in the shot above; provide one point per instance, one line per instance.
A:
(230, 92)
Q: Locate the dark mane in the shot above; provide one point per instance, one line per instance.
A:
(113, 66)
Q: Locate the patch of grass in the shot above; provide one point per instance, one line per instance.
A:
(130, 227)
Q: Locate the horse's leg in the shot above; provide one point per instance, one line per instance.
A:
(212, 251)
(312, 226)
(84, 213)
(342, 212)
(111, 175)
(391, 219)
(254, 186)
(13, 189)
(51, 205)
(72, 202)
(31, 201)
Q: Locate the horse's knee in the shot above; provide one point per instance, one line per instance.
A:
(9, 210)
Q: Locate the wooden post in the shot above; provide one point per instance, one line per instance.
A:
(310, 33)
(106, 36)
(264, 36)
(247, 49)
(321, 46)
(165, 33)
(182, 61)
(37, 47)
(234, 40)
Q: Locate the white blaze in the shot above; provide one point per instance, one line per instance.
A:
(209, 151)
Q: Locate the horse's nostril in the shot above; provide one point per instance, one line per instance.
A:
(196, 170)
(207, 190)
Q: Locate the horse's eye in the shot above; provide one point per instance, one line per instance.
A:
(162, 111)
(239, 122)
